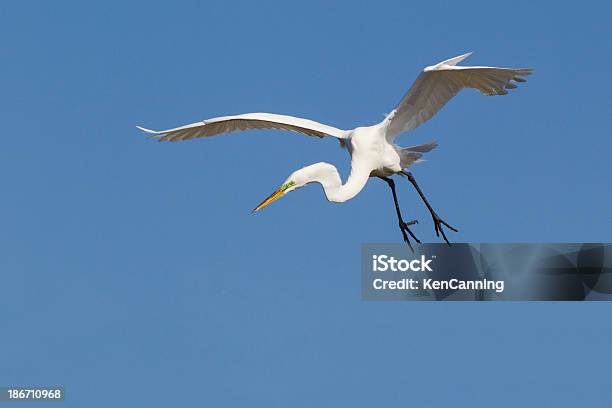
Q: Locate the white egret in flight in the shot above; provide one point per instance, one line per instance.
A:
(372, 148)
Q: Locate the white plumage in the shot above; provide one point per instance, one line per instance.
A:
(372, 148)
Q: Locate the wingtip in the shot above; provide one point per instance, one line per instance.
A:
(146, 130)
(458, 59)
(449, 62)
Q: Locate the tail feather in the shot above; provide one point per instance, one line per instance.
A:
(424, 148)
(413, 154)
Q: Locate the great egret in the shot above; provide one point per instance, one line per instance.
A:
(372, 148)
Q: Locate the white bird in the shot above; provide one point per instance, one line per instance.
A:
(372, 148)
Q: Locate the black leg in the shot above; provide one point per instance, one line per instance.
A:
(404, 226)
(438, 222)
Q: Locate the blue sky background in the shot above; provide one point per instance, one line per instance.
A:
(133, 271)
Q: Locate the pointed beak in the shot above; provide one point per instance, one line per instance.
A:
(272, 197)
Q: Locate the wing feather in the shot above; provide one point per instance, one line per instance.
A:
(438, 84)
(226, 124)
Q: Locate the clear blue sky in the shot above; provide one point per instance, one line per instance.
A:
(134, 270)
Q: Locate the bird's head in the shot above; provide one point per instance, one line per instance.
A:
(319, 172)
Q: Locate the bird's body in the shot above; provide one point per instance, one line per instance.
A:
(372, 148)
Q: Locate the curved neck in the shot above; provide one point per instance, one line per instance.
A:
(328, 176)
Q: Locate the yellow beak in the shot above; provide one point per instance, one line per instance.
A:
(274, 196)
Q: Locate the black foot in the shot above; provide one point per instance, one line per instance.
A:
(438, 223)
(405, 228)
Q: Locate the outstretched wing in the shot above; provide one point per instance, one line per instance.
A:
(437, 84)
(225, 124)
